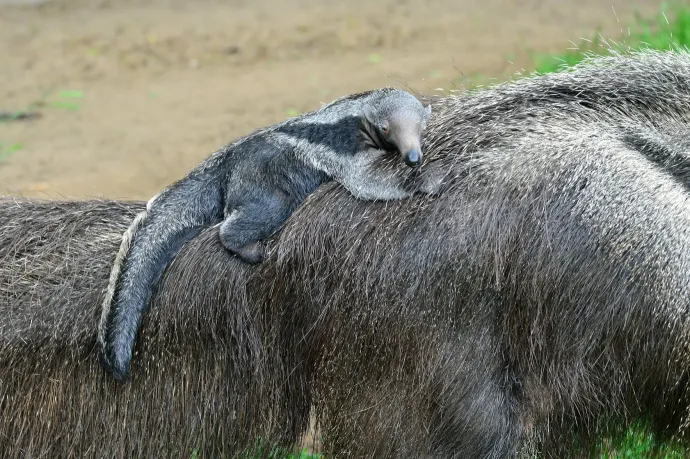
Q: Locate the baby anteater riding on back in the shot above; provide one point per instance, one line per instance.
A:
(251, 187)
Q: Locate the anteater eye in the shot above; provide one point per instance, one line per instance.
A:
(384, 128)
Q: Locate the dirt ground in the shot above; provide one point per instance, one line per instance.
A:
(165, 82)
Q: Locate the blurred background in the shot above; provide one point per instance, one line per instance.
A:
(120, 98)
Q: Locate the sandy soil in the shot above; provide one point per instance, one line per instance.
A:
(165, 82)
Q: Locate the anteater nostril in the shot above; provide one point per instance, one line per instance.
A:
(412, 158)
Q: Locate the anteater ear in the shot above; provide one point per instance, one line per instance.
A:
(427, 110)
(369, 114)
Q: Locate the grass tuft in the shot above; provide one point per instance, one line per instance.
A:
(669, 30)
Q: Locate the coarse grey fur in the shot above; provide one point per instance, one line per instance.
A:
(250, 187)
(542, 298)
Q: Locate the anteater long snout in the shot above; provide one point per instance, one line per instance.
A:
(411, 150)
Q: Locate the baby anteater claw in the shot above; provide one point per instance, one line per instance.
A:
(253, 253)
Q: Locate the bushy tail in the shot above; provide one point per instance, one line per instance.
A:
(148, 246)
(109, 358)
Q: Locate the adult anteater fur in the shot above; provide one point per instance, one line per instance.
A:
(541, 298)
(251, 187)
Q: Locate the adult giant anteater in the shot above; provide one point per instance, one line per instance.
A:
(544, 293)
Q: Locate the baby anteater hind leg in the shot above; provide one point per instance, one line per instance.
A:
(247, 225)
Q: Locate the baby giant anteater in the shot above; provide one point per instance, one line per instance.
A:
(251, 187)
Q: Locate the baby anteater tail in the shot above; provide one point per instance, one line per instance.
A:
(107, 356)
(149, 245)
